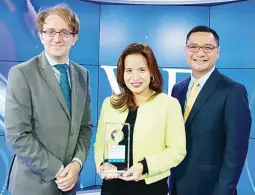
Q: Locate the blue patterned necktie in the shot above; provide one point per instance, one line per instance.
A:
(64, 84)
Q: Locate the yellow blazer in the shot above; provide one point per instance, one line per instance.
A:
(159, 135)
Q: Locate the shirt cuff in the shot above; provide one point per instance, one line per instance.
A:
(60, 170)
(78, 160)
(145, 166)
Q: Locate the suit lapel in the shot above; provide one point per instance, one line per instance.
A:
(75, 90)
(204, 94)
(50, 79)
(183, 93)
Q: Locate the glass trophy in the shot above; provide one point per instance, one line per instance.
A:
(116, 148)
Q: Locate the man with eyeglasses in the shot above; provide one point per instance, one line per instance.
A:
(48, 111)
(217, 120)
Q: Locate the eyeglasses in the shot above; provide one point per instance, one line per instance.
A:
(63, 33)
(206, 48)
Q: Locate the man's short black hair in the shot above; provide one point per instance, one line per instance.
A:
(204, 29)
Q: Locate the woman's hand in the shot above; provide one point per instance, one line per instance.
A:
(134, 173)
(107, 167)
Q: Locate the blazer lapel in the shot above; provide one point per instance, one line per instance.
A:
(204, 94)
(76, 91)
(183, 93)
(50, 79)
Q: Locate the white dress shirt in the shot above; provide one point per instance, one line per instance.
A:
(202, 80)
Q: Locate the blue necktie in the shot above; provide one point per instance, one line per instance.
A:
(64, 84)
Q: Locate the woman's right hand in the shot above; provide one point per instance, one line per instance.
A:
(107, 167)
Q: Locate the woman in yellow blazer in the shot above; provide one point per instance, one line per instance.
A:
(156, 124)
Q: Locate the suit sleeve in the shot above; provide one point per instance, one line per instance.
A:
(19, 128)
(175, 142)
(83, 143)
(173, 92)
(237, 120)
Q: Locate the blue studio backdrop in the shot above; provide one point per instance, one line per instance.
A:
(106, 29)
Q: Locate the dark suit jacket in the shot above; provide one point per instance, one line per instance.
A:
(217, 134)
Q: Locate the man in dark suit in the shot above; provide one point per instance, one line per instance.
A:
(217, 120)
(48, 111)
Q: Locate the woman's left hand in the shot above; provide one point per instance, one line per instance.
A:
(134, 173)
